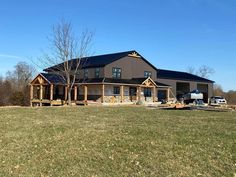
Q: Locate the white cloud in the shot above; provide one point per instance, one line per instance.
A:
(10, 56)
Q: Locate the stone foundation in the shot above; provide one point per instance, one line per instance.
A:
(116, 98)
(126, 99)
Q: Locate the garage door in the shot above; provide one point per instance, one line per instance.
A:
(182, 88)
(203, 88)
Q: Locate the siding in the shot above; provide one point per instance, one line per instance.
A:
(97, 90)
(193, 85)
(131, 68)
(91, 73)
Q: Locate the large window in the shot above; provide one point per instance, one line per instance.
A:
(85, 73)
(116, 90)
(97, 72)
(116, 72)
(147, 74)
(147, 92)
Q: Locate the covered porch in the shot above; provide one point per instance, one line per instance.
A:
(51, 90)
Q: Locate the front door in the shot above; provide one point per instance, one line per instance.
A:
(133, 93)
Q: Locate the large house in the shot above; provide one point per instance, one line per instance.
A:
(125, 77)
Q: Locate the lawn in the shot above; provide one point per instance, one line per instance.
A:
(116, 141)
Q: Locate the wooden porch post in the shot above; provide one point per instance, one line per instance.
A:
(31, 94)
(51, 94)
(168, 94)
(154, 94)
(75, 93)
(122, 93)
(85, 94)
(41, 95)
(103, 93)
(139, 94)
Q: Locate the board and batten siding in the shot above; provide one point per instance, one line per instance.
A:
(132, 67)
(97, 90)
(91, 73)
(193, 85)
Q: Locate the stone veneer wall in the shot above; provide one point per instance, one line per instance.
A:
(116, 99)
(148, 99)
(126, 99)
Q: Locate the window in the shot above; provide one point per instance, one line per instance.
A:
(97, 72)
(116, 72)
(116, 90)
(85, 73)
(147, 92)
(147, 74)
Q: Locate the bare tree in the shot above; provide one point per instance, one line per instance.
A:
(14, 87)
(23, 73)
(191, 70)
(65, 46)
(229, 95)
(218, 90)
(204, 71)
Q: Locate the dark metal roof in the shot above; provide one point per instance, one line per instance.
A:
(99, 60)
(57, 79)
(54, 78)
(136, 81)
(93, 80)
(177, 75)
(102, 60)
(162, 85)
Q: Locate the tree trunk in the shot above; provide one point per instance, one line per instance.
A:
(69, 96)
(69, 89)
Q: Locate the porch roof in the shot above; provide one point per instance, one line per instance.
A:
(133, 81)
(54, 78)
(57, 79)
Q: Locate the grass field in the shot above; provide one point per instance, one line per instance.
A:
(116, 141)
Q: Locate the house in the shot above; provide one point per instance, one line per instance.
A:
(125, 77)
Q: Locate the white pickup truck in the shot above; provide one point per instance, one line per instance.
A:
(193, 96)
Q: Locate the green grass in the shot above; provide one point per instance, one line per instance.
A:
(116, 141)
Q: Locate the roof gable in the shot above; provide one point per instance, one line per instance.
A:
(46, 78)
(40, 79)
(149, 82)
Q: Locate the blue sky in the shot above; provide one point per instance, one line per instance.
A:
(171, 34)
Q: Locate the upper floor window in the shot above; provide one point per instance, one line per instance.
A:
(97, 72)
(85, 73)
(147, 74)
(116, 72)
